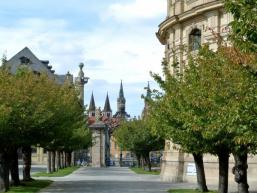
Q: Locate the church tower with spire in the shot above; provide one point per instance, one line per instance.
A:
(91, 110)
(107, 111)
(121, 104)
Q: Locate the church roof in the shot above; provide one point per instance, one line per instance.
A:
(107, 106)
(27, 57)
(92, 103)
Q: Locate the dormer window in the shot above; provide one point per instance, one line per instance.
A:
(195, 40)
(24, 60)
(36, 73)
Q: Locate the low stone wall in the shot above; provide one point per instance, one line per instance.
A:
(179, 167)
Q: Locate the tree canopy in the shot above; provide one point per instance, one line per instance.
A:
(136, 136)
(244, 33)
(211, 107)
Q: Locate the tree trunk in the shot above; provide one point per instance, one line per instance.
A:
(68, 159)
(48, 170)
(142, 162)
(73, 158)
(4, 172)
(61, 160)
(138, 161)
(58, 160)
(26, 155)
(223, 171)
(198, 158)
(148, 162)
(240, 172)
(14, 167)
(64, 159)
(52, 161)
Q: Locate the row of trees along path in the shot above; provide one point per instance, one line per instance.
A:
(134, 136)
(36, 111)
(211, 107)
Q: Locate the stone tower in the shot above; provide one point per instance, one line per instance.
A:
(107, 111)
(121, 104)
(91, 110)
(81, 80)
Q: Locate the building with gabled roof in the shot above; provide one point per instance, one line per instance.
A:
(26, 58)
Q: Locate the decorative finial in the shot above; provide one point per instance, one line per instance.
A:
(81, 65)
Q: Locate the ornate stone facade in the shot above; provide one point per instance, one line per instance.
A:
(190, 23)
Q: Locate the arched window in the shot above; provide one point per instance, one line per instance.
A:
(195, 39)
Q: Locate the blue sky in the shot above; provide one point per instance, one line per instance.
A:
(115, 39)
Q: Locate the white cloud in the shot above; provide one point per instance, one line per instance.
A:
(137, 10)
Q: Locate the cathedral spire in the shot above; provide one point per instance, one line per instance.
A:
(92, 103)
(121, 101)
(107, 111)
(107, 106)
(121, 94)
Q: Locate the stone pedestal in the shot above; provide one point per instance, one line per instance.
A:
(172, 165)
(98, 149)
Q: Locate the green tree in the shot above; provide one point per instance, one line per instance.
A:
(35, 110)
(244, 33)
(7, 131)
(207, 107)
(167, 112)
(135, 136)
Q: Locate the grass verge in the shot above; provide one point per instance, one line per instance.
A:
(30, 187)
(142, 171)
(59, 173)
(188, 191)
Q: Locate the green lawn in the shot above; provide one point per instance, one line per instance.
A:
(142, 171)
(30, 187)
(188, 191)
(59, 173)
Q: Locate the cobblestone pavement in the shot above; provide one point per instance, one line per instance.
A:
(110, 180)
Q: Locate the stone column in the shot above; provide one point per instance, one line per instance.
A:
(98, 148)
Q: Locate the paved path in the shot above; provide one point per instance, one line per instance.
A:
(110, 180)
